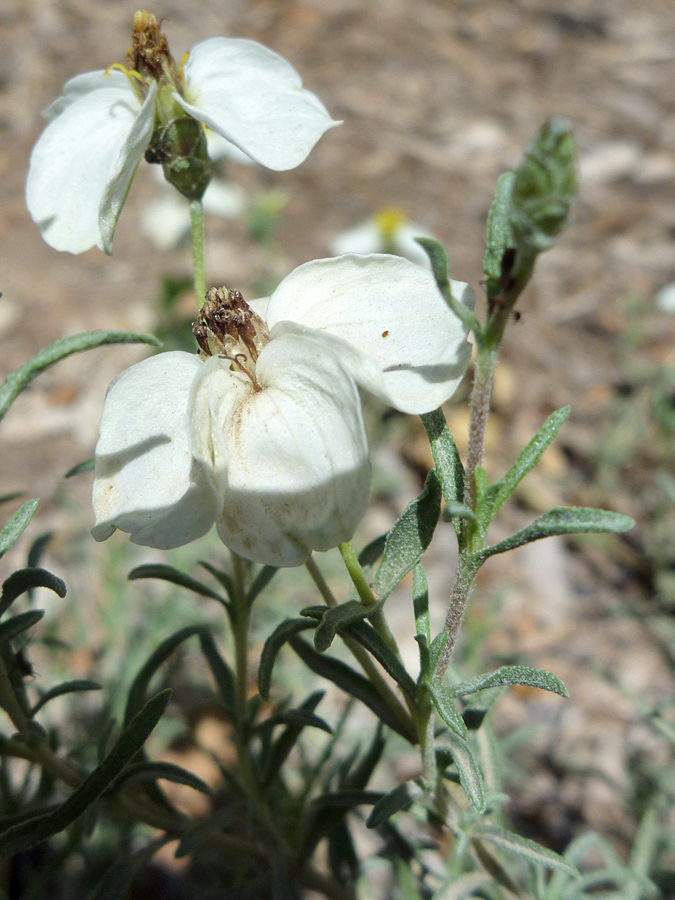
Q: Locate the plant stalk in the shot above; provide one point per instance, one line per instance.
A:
(197, 233)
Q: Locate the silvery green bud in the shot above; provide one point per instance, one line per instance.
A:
(544, 186)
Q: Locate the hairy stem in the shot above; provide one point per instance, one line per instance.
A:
(197, 232)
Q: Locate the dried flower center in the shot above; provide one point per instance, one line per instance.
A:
(149, 53)
(228, 328)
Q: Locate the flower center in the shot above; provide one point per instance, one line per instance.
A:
(228, 328)
(149, 53)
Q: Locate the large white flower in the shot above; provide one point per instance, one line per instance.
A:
(262, 433)
(82, 165)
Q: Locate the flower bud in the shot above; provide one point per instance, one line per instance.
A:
(181, 148)
(544, 186)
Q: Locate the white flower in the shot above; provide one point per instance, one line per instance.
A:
(388, 231)
(265, 437)
(82, 165)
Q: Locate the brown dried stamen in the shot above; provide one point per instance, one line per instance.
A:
(228, 328)
(149, 52)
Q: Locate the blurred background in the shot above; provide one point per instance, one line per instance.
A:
(438, 98)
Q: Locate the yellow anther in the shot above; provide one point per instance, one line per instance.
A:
(183, 60)
(130, 73)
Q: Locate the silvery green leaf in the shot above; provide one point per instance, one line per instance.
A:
(168, 573)
(442, 700)
(449, 466)
(562, 520)
(17, 525)
(401, 798)
(499, 238)
(470, 776)
(523, 847)
(438, 258)
(20, 379)
(507, 675)
(420, 592)
(409, 537)
(495, 495)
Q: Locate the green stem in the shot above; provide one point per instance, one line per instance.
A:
(481, 393)
(364, 659)
(366, 594)
(197, 232)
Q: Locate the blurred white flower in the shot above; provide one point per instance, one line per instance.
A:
(388, 231)
(82, 165)
(262, 433)
(665, 298)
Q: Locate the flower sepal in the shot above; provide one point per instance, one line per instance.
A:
(181, 149)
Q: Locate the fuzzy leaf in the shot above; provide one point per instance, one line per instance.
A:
(25, 580)
(349, 681)
(139, 687)
(281, 634)
(337, 618)
(68, 687)
(449, 466)
(20, 379)
(372, 552)
(438, 258)
(420, 591)
(360, 776)
(562, 520)
(17, 525)
(523, 847)
(470, 776)
(21, 837)
(442, 700)
(168, 573)
(506, 675)
(499, 238)
(409, 538)
(10, 628)
(223, 578)
(496, 494)
(402, 797)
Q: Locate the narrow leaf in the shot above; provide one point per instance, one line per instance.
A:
(153, 770)
(284, 744)
(21, 837)
(349, 681)
(359, 778)
(168, 573)
(372, 552)
(409, 538)
(501, 490)
(17, 525)
(562, 520)
(20, 379)
(499, 238)
(375, 644)
(281, 634)
(68, 687)
(139, 687)
(221, 577)
(470, 776)
(402, 797)
(38, 548)
(86, 466)
(449, 466)
(538, 678)
(336, 619)
(260, 582)
(25, 580)
(420, 591)
(446, 709)
(300, 716)
(221, 671)
(438, 258)
(523, 847)
(345, 800)
(17, 624)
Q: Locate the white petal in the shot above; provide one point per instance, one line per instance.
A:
(362, 238)
(254, 98)
(146, 481)
(398, 336)
(92, 146)
(119, 182)
(297, 475)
